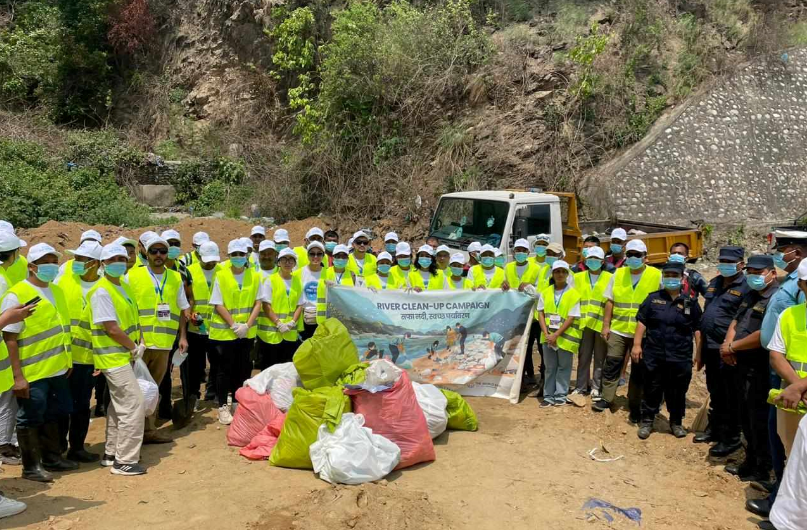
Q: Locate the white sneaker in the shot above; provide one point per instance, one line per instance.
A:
(595, 394)
(9, 507)
(225, 418)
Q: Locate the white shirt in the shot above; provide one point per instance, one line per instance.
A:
(266, 274)
(208, 275)
(182, 299)
(86, 286)
(310, 283)
(215, 293)
(520, 269)
(458, 284)
(3, 285)
(360, 263)
(103, 310)
(777, 342)
(592, 277)
(265, 292)
(573, 312)
(489, 273)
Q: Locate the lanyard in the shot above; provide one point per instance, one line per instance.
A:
(159, 289)
(339, 278)
(559, 298)
(360, 267)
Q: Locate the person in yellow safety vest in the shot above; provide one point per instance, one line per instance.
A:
(39, 351)
(425, 275)
(361, 263)
(199, 238)
(163, 310)
(281, 239)
(474, 249)
(282, 299)
(626, 290)
(559, 317)
(75, 284)
(116, 342)
(455, 279)
(8, 506)
(383, 280)
(403, 263)
(18, 270)
(310, 276)
(174, 241)
(233, 326)
(9, 451)
(521, 272)
(257, 236)
(314, 234)
(131, 249)
(203, 271)
(391, 242)
(443, 256)
(267, 259)
(87, 235)
(499, 259)
(540, 247)
(788, 356)
(486, 275)
(591, 284)
(336, 275)
(142, 255)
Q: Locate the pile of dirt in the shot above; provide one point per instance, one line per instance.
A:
(381, 506)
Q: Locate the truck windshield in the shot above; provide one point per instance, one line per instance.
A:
(466, 220)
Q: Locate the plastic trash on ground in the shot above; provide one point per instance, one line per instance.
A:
(278, 380)
(352, 454)
(261, 445)
(600, 509)
(151, 392)
(461, 417)
(322, 359)
(254, 412)
(396, 415)
(355, 375)
(433, 403)
(381, 372)
(311, 408)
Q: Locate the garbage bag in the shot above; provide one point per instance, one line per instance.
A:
(151, 392)
(396, 415)
(433, 403)
(254, 412)
(321, 359)
(381, 372)
(278, 380)
(310, 409)
(461, 416)
(352, 454)
(261, 445)
(355, 375)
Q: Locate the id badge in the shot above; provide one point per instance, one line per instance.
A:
(555, 321)
(163, 312)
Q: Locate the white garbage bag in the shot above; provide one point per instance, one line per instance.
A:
(352, 454)
(279, 380)
(381, 372)
(434, 404)
(151, 392)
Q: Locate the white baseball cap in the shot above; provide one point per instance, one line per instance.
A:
(258, 229)
(384, 255)
(8, 241)
(281, 235)
(171, 234)
(237, 245)
(475, 246)
(802, 270)
(112, 250)
(521, 243)
(596, 252)
(92, 235)
(148, 234)
(123, 240)
(200, 237)
(391, 236)
(315, 244)
(487, 248)
(341, 249)
(497, 252)
(403, 249)
(543, 237)
(209, 251)
(560, 264)
(619, 233)
(316, 231)
(443, 248)
(88, 249)
(287, 252)
(266, 244)
(247, 241)
(40, 250)
(5, 226)
(359, 234)
(459, 257)
(156, 240)
(427, 249)
(636, 244)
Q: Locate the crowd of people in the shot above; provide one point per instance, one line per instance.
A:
(78, 327)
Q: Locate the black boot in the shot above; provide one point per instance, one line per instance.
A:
(28, 438)
(52, 459)
(705, 436)
(79, 425)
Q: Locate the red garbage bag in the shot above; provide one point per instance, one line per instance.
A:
(261, 445)
(254, 412)
(396, 415)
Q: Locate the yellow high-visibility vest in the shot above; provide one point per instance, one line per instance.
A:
(284, 304)
(627, 299)
(156, 333)
(570, 339)
(369, 265)
(592, 300)
(80, 328)
(238, 301)
(344, 278)
(529, 276)
(201, 294)
(107, 353)
(436, 281)
(480, 280)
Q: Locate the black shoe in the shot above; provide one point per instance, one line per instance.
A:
(678, 431)
(761, 507)
(100, 410)
(57, 463)
(740, 470)
(52, 459)
(704, 437)
(765, 486)
(633, 420)
(723, 449)
(766, 525)
(82, 455)
(644, 431)
(600, 405)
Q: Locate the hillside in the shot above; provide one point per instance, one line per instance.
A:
(359, 110)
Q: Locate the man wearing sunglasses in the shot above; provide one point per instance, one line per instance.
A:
(361, 263)
(162, 305)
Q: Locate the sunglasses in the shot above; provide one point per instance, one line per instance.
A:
(156, 251)
(316, 255)
(362, 243)
(633, 255)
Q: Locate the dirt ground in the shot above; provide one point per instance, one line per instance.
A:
(525, 468)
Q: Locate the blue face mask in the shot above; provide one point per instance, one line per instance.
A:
(550, 260)
(677, 258)
(174, 252)
(425, 262)
(499, 261)
(47, 272)
(329, 246)
(405, 262)
(456, 271)
(756, 282)
(488, 261)
(384, 269)
(238, 261)
(593, 264)
(540, 250)
(390, 247)
(280, 246)
(79, 267)
(727, 269)
(585, 253)
(671, 284)
(340, 263)
(115, 270)
(521, 257)
(616, 248)
(634, 263)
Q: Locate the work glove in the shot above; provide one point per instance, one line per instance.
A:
(240, 330)
(292, 325)
(138, 352)
(282, 327)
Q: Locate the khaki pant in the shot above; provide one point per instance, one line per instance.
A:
(157, 363)
(787, 425)
(125, 416)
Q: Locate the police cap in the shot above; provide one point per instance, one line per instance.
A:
(732, 253)
(759, 261)
(673, 266)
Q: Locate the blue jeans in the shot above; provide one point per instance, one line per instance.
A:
(49, 399)
(558, 374)
(774, 442)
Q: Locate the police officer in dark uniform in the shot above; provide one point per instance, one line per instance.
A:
(742, 349)
(669, 319)
(723, 297)
(694, 282)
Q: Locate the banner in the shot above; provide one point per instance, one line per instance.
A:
(469, 341)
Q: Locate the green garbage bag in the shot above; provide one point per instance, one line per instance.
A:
(354, 375)
(310, 409)
(321, 359)
(461, 417)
